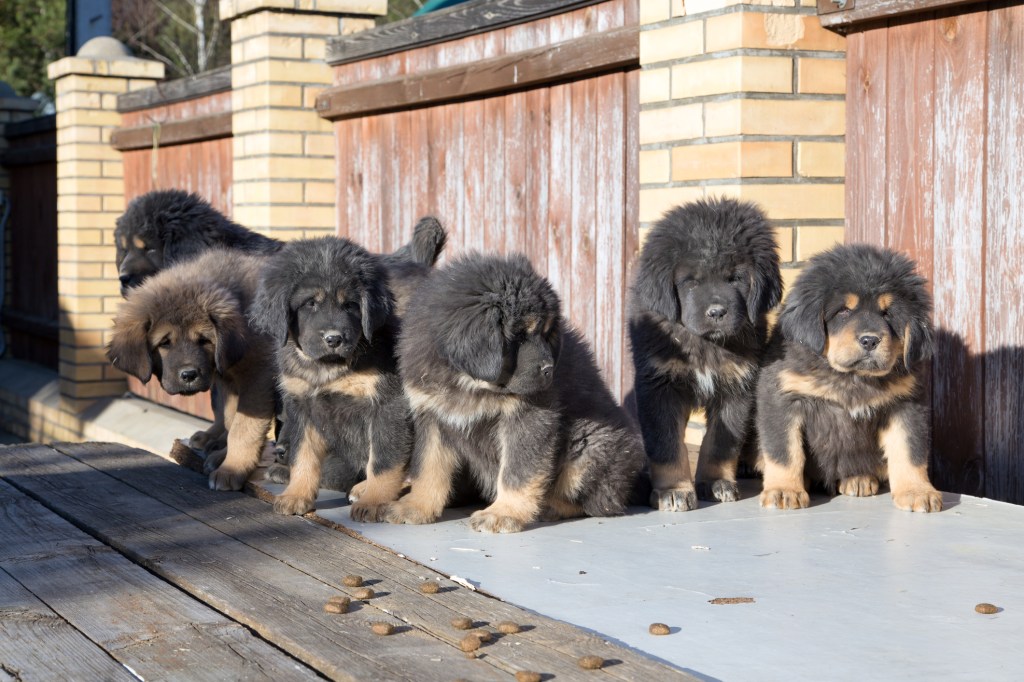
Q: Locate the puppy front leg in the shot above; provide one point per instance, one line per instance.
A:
(664, 413)
(433, 465)
(299, 496)
(780, 430)
(728, 423)
(248, 422)
(905, 448)
(390, 441)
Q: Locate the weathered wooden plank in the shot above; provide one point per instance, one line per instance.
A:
(959, 129)
(1004, 278)
(459, 21)
(548, 646)
(208, 83)
(142, 622)
(631, 207)
(600, 52)
(584, 185)
(861, 11)
(173, 133)
(31, 634)
(282, 604)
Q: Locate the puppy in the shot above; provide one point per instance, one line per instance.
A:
(839, 400)
(327, 304)
(187, 326)
(707, 276)
(500, 386)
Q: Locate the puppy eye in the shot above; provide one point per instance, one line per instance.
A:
(844, 312)
(885, 314)
(311, 303)
(203, 341)
(164, 342)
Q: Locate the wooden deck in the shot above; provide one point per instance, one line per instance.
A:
(116, 564)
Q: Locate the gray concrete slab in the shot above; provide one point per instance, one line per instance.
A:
(849, 589)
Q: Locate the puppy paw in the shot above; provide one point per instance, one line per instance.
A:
(228, 478)
(859, 486)
(493, 522)
(368, 513)
(204, 441)
(682, 498)
(278, 473)
(404, 512)
(785, 498)
(293, 505)
(919, 500)
(357, 491)
(722, 490)
(214, 459)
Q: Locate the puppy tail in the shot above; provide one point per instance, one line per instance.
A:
(428, 240)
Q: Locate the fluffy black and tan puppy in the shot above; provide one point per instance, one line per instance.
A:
(164, 227)
(327, 304)
(707, 276)
(838, 400)
(187, 326)
(500, 387)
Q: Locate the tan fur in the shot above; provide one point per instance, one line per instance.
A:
(294, 385)
(784, 485)
(558, 509)
(356, 384)
(852, 301)
(372, 496)
(137, 242)
(801, 384)
(911, 489)
(716, 471)
(884, 301)
(843, 348)
(859, 486)
(432, 485)
(512, 509)
(304, 484)
(463, 408)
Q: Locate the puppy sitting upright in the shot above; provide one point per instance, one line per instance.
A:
(327, 304)
(499, 387)
(838, 400)
(707, 276)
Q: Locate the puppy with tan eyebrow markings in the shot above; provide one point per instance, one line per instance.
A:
(839, 401)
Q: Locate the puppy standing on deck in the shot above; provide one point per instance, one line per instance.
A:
(838, 400)
(187, 326)
(707, 276)
(499, 387)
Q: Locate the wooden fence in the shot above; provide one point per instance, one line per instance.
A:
(31, 315)
(177, 135)
(517, 128)
(935, 168)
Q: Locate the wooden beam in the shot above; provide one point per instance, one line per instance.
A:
(217, 80)
(196, 129)
(859, 11)
(609, 51)
(437, 27)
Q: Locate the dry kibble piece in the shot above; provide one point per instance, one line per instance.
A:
(507, 627)
(337, 604)
(470, 643)
(659, 629)
(381, 628)
(986, 608)
(462, 623)
(591, 662)
(482, 635)
(429, 587)
(363, 593)
(527, 676)
(352, 581)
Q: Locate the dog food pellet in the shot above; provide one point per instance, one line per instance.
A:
(591, 662)
(337, 605)
(352, 581)
(527, 676)
(364, 593)
(659, 629)
(482, 635)
(986, 608)
(382, 628)
(508, 627)
(429, 587)
(462, 623)
(470, 643)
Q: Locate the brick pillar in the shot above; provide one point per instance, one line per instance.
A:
(284, 166)
(745, 100)
(90, 197)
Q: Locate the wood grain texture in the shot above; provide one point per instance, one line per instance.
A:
(168, 92)
(871, 10)
(142, 622)
(544, 645)
(196, 129)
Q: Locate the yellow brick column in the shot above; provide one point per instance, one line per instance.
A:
(745, 99)
(90, 197)
(283, 151)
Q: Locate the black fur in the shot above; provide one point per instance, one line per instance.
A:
(706, 278)
(500, 387)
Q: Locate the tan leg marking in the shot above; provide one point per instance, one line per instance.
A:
(716, 470)
(558, 509)
(859, 486)
(911, 489)
(304, 485)
(512, 509)
(784, 485)
(432, 485)
(672, 483)
(246, 436)
(370, 498)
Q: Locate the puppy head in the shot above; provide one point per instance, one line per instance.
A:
(498, 322)
(711, 266)
(864, 309)
(327, 295)
(139, 251)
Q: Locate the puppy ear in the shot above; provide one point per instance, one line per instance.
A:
(375, 305)
(129, 350)
(765, 289)
(918, 342)
(270, 312)
(232, 331)
(475, 347)
(803, 320)
(655, 289)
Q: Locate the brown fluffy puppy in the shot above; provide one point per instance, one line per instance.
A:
(839, 401)
(187, 326)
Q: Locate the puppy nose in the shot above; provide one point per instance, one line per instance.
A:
(716, 312)
(188, 375)
(333, 340)
(126, 280)
(869, 342)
